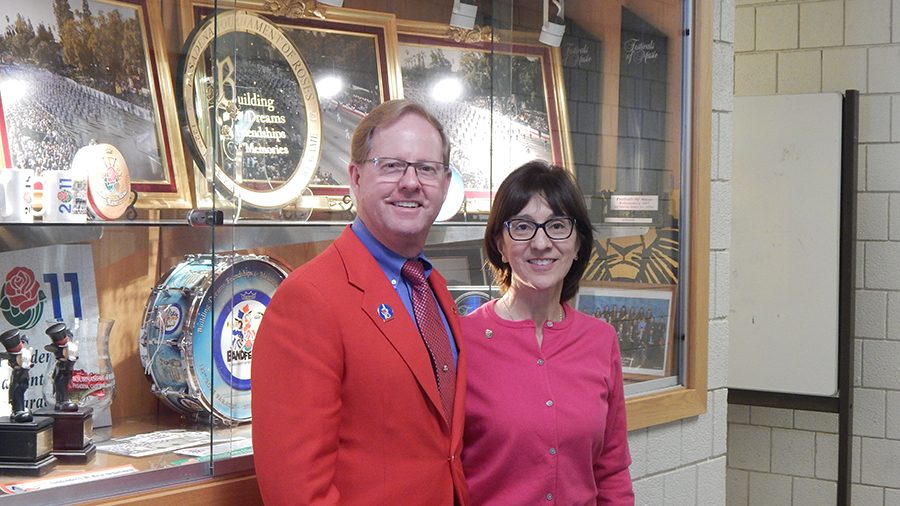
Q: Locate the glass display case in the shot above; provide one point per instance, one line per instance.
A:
(167, 163)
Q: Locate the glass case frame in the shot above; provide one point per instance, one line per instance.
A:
(160, 237)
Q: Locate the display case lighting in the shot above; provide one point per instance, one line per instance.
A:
(463, 15)
(553, 28)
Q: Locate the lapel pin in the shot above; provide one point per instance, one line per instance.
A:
(488, 333)
(385, 312)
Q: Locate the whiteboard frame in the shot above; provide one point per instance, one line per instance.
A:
(785, 252)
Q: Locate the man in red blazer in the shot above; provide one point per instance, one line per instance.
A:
(346, 405)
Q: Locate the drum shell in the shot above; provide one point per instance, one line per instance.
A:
(199, 325)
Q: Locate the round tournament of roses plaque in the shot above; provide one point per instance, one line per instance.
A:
(249, 105)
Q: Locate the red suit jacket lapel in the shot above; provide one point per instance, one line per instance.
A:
(364, 273)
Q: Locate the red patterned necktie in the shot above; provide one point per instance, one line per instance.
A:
(433, 332)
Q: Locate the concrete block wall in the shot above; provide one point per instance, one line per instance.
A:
(684, 462)
(781, 456)
(788, 456)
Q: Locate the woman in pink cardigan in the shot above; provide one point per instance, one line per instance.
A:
(545, 411)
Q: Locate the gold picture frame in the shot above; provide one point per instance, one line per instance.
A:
(54, 103)
(528, 123)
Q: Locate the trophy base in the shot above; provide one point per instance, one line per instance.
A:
(72, 434)
(25, 447)
(38, 468)
(82, 456)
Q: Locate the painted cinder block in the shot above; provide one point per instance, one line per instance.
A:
(777, 27)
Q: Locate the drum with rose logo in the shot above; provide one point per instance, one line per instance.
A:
(196, 341)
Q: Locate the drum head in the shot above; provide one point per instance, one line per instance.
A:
(226, 323)
(470, 301)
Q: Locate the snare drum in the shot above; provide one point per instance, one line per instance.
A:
(197, 337)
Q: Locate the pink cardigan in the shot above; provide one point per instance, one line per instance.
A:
(544, 425)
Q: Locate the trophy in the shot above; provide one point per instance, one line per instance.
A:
(26, 441)
(92, 383)
(72, 425)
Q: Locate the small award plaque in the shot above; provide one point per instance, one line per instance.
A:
(26, 441)
(631, 209)
(72, 426)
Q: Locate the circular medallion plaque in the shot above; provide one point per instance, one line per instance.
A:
(250, 108)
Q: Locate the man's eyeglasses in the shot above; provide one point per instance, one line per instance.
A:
(393, 169)
(556, 229)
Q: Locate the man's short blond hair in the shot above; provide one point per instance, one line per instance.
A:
(388, 112)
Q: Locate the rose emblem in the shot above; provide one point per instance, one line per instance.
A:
(111, 179)
(22, 300)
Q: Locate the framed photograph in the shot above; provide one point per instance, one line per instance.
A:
(643, 317)
(5, 161)
(459, 265)
(351, 58)
(77, 72)
(498, 100)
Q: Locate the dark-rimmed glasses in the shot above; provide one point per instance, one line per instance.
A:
(392, 169)
(556, 229)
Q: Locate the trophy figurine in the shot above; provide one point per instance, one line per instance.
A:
(19, 357)
(25, 439)
(73, 427)
(66, 353)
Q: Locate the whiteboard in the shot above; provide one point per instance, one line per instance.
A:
(785, 241)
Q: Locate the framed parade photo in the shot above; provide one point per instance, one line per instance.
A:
(348, 67)
(643, 317)
(500, 101)
(93, 71)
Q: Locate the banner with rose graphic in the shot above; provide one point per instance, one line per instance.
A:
(37, 286)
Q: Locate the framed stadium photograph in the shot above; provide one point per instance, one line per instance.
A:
(499, 101)
(76, 73)
(644, 318)
(349, 59)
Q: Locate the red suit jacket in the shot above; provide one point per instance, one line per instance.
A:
(345, 405)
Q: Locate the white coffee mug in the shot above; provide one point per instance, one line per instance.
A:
(63, 197)
(16, 195)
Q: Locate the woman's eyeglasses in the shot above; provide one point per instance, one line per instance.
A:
(556, 229)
